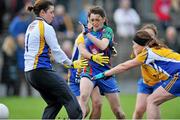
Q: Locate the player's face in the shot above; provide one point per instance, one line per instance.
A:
(49, 14)
(97, 21)
(137, 48)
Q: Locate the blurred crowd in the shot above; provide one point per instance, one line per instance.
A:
(124, 16)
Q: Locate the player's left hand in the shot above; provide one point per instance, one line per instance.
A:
(100, 59)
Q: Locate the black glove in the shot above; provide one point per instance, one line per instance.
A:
(85, 28)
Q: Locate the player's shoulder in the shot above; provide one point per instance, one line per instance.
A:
(79, 39)
(107, 29)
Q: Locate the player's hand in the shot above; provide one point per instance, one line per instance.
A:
(80, 63)
(114, 51)
(98, 76)
(132, 55)
(85, 28)
(100, 59)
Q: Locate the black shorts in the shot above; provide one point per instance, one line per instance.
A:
(50, 85)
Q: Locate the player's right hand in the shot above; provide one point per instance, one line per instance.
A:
(80, 63)
(100, 59)
(98, 76)
(85, 28)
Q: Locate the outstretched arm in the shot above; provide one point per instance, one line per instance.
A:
(123, 67)
(118, 69)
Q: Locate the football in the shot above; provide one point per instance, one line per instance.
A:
(4, 112)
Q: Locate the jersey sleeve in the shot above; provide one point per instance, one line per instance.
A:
(108, 33)
(142, 57)
(146, 56)
(51, 40)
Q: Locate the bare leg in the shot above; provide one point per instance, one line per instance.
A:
(86, 87)
(87, 106)
(141, 102)
(113, 99)
(159, 96)
(96, 104)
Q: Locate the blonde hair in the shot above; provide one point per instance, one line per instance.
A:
(9, 45)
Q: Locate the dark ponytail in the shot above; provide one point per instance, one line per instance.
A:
(40, 5)
(156, 43)
(150, 41)
(30, 8)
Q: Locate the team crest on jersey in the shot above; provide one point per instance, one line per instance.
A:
(94, 51)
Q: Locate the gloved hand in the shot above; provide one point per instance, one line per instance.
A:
(80, 63)
(114, 51)
(100, 59)
(98, 76)
(85, 28)
(132, 55)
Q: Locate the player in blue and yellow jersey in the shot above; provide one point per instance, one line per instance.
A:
(165, 61)
(99, 40)
(40, 39)
(149, 81)
(74, 77)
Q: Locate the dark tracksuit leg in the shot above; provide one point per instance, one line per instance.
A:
(55, 92)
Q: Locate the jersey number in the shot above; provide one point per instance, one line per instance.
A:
(27, 42)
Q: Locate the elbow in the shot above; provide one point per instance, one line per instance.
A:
(102, 47)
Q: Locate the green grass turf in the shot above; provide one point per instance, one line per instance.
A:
(32, 107)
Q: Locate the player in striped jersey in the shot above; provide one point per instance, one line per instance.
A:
(99, 39)
(165, 61)
(40, 39)
(149, 81)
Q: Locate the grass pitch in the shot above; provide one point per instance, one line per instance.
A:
(32, 108)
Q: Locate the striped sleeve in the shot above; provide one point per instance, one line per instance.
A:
(58, 53)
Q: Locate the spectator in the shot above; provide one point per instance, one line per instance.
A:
(62, 23)
(171, 39)
(161, 10)
(126, 19)
(17, 29)
(9, 68)
(20, 23)
(83, 15)
(175, 14)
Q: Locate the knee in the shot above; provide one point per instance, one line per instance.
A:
(97, 104)
(83, 98)
(152, 101)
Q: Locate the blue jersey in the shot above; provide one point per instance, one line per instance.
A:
(94, 68)
(74, 74)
